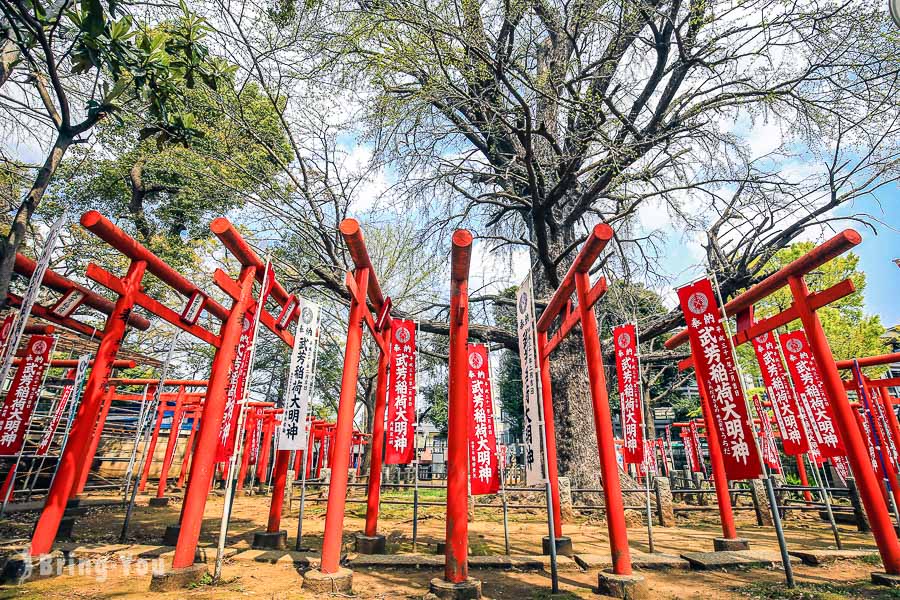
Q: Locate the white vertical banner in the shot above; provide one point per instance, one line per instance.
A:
(301, 377)
(531, 429)
(31, 293)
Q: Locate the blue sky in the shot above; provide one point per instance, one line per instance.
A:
(876, 253)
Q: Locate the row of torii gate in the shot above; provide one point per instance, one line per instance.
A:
(560, 316)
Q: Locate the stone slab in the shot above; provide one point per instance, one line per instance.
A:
(203, 554)
(639, 560)
(278, 557)
(736, 559)
(815, 557)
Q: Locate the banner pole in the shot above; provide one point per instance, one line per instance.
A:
(637, 346)
(73, 408)
(767, 476)
(28, 299)
(148, 425)
(138, 430)
(501, 464)
(415, 523)
(554, 573)
(298, 546)
(231, 479)
(827, 501)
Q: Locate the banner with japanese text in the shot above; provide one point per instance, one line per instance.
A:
(690, 451)
(628, 374)
(254, 433)
(301, 378)
(767, 436)
(15, 414)
(811, 393)
(698, 447)
(70, 396)
(484, 472)
(6, 329)
(401, 400)
(869, 399)
(526, 326)
(649, 464)
(841, 467)
(865, 428)
(715, 364)
(237, 381)
(784, 401)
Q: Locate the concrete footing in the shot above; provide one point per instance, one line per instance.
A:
(22, 567)
(729, 545)
(266, 540)
(628, 587)
(177, 579)
(470, 589)
(159, 502)
(317, 582)
(563, 546)
(886, 579)
(371, 544)
(170, 537)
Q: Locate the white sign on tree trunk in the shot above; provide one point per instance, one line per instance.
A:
(531, 427)
(292, 434)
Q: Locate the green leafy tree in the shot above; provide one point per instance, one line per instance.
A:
(84, 63)
(437, 412)
(165, 191)
(851, 332)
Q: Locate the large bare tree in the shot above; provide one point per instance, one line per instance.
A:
(531, 121)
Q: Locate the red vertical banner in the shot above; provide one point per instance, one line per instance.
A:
(401, 401)
(254, 429)
(714, 361)
(841, 467)
(698, 448)
(6, 329)
(690, 451)
(862, 422)
(58, 411)
(484, 472)
(784, 402)
(628, 374)
(237, 382)
(23, 394)
(235, 391)
(811, 394)
(649, 464)
(769, 449)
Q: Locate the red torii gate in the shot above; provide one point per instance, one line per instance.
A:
(248, 429)
(233, 241)
(203, 465)
(804, 307)
(729, 539)
(456, 582)
(362, 284)
(577, 281)
(130, 294)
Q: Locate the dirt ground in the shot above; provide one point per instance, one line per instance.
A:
(242, 579)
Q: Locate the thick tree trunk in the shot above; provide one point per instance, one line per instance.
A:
(19, 226)
(576, 440)
(136, 203)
